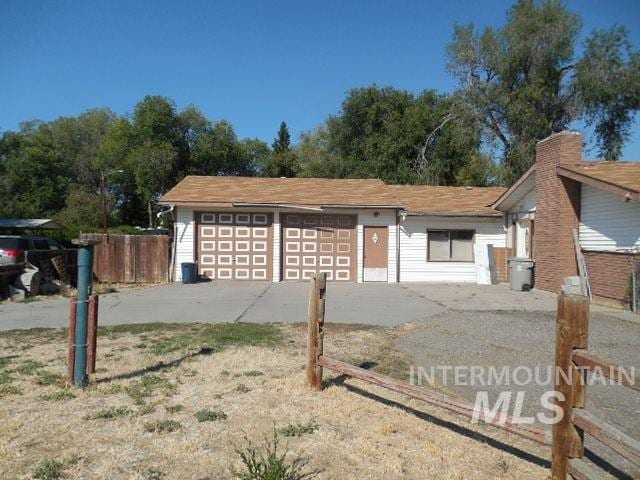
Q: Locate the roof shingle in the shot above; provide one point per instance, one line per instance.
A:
(276, 191)
(622, 174)
(449, 200)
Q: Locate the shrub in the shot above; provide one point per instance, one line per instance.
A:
(49, 470)
(270, 464)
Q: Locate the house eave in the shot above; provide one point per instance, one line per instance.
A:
(455, 214)
(626, 193)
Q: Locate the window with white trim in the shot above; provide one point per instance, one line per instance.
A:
(450, 245)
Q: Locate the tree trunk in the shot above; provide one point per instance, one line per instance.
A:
(150, 210)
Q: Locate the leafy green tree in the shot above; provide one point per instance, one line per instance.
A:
(36, 175)
(317, 156)
(151, 164)
(521, 82)
(379, 133)
(607, 86)
(218, 152)
(83, 207)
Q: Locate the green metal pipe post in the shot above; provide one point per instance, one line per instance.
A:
(85, 276)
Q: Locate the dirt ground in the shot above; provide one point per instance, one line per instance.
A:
(156, 378)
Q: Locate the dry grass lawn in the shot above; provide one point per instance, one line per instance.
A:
(160, 407)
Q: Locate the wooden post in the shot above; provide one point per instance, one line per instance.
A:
(72, 340)
(92, 334)
(315, 331)
(571, 333)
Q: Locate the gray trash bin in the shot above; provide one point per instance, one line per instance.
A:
(521, 274)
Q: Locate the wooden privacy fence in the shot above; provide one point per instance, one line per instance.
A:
(566, 437)
(130, 258)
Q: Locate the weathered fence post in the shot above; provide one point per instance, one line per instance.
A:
(92, 334)
(71, 357)
(571, 333)
(315, 331)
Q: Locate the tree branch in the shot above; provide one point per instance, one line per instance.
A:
(421, 160)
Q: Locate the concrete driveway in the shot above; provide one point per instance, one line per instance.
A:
(260, 302)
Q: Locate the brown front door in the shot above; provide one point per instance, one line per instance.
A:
(376, 254)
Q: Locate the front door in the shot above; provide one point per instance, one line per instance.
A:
(376, 254)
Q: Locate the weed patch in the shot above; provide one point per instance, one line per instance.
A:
(220, 336)
(109, 413)
(299, 429)
(253, 373)
(9, 389)
(5, 377)
(162, 426)
(49, 470)
(29, 367)
(174, 408)
(57, 396)
(147, 386)
(5, 362)
(146, 409)
(152, 474)
(45, 377)
(209, 415)
(242, 388)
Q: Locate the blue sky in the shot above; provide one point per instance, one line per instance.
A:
(254, 63)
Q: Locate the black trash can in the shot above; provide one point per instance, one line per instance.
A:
(188, 272)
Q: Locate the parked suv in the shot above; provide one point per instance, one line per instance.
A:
(13, 248)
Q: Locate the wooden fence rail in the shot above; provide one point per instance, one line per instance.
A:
(566, 437)
(572, 333)
(130, 258)
(316, 360)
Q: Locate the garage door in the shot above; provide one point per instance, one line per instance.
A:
(235, 246)
(319, 243)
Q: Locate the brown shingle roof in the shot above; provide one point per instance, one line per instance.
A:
(473, 201)
(625, 175)
(275, 191)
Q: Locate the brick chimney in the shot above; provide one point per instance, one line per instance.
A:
(557, 210)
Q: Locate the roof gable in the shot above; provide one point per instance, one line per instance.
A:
(621, 178)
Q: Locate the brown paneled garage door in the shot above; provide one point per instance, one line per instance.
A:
(319, 243)
(235, 246)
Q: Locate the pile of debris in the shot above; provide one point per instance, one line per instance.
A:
(28, 280)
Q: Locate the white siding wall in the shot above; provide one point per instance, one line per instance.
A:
(527, 203)
(385, 218)
(525, 208)
(276, 246)
(413, 248)
(185, 231)
(607, 222)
